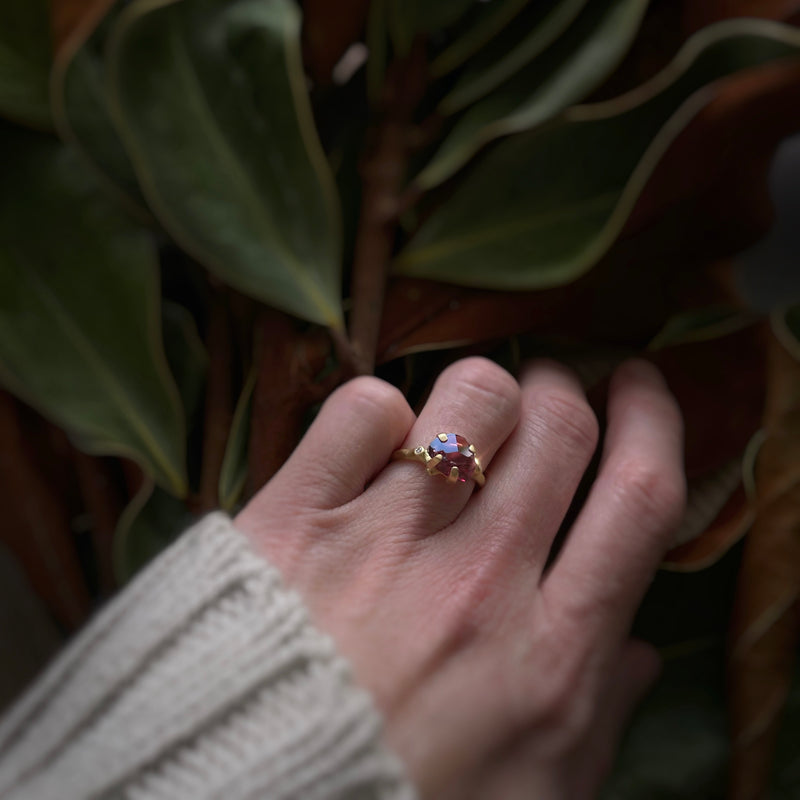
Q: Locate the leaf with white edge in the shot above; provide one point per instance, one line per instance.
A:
(186, 356)
(233, 474)
(702, 324)
(561, 194)
(25, 62)
(409, 18)
(80, 108)
(541, 28)
(149, 524)
(491, 18)
(579, 62)
(211, 102)
(80, 322)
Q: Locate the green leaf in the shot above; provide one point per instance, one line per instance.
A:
(233, 473)
(149, 524)
(80, 324)
(700, 325)
(541, 27)
(211, 102)
(567, 72)
(80, 109)
(186, 356)
(407, 18)
(544, 206)
(25, 62)
(489, 20)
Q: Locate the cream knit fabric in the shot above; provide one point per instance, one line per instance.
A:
(203, 679)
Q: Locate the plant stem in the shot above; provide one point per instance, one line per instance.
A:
(219, 402)
(100, 496)
(383, 175)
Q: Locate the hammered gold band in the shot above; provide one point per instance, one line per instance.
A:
(448, 455)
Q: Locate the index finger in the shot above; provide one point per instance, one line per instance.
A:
(613, 549)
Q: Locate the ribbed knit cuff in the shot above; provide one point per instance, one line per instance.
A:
(204, 678)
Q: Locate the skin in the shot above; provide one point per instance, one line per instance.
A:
(497, 677)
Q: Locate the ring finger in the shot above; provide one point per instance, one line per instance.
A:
(474, 398)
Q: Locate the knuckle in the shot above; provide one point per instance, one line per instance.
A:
(483, 380)
(370, 396)
(564, 709)
(571, 420)
(645, 488)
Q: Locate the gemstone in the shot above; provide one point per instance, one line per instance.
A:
(456, 453)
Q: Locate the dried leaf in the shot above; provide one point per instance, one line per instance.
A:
(72, 21)
(698, 15)
(766, 627)
(719, 385)
(560, 199)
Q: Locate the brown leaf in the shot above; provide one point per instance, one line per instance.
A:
(328, 30)
(719, 385)
(730, 525)
(698, 15)
(724, 134)
(766, 624)
(72, 21)
(695, 209)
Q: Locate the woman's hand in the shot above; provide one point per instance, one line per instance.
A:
(497, 678)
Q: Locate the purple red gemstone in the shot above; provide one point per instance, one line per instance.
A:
(455, 452)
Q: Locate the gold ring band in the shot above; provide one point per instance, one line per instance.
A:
(448, 455)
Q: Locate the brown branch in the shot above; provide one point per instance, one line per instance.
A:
(288, 363)
(36, 524)
(383, 174)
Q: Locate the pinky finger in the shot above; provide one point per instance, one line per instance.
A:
(632, 678)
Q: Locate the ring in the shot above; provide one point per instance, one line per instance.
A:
(449, 455)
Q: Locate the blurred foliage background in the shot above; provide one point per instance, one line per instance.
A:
(213, 212)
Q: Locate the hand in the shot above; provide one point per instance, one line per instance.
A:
(497, 678)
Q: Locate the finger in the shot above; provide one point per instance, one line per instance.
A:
(615, 545)
(636, 670)
(474, 398)
(536, 472)
(349, 442)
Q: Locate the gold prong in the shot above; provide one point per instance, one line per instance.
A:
(453, 476)
(433, 463)
(442, 437)
(472, 449)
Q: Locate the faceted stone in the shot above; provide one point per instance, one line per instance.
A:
(456, 453)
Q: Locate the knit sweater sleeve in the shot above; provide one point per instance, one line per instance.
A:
(203, 679)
